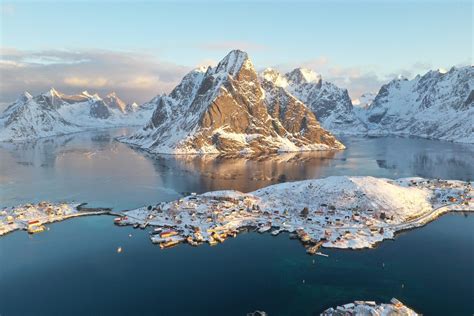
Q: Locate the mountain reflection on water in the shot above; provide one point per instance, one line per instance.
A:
(95, 167)
(279, 278)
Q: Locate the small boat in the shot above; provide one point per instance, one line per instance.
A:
(218, 237)
(168, 233)
(276, 232)
(264, 229)
(169, 243)
(312, 250)
(212, 241)
(34, 229)
(322, 254)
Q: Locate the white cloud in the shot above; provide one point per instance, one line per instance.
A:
(134, 76)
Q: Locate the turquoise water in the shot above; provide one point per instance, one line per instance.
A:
(75, 269)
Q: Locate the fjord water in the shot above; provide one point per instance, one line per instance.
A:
(74, 268)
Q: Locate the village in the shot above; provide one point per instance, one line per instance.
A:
(33, 217)
(336, 212)
(395, 307)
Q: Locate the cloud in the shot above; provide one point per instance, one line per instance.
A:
(134, 76)
(230, 45)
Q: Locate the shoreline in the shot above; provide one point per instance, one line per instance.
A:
(214, 216)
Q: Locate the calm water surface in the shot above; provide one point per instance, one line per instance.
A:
(74, 268)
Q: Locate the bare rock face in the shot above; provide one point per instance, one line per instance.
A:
(225, 110)
(331, 104)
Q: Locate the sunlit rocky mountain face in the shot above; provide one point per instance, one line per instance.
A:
(228, 109)
(231, 108)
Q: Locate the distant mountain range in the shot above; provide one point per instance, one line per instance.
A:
(232, 108)
(436, 105)
(53, 113)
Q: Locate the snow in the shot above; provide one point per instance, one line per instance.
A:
(302, 75)
(436, 105)
(20, 217)
(363, 308)
(177, 123)
(331, 104)
(53, 113)
(342, 212)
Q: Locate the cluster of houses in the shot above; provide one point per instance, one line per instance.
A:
(395, 307)
(215, 216)
(32, 217)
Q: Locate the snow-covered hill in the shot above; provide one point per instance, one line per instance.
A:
(54, 113)
(225, 110)
(436, 105)
(331, 104)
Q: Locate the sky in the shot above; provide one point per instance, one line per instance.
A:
(141, 49)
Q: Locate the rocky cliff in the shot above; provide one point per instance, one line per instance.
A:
(225, 110)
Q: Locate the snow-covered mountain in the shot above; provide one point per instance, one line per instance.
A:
(114, 102)
(365, 100)
(54, 113)
(225, 110)
(331, 104)
(436, 105)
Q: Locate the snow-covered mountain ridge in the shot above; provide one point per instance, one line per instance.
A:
(270, 111)
(226, 109)
(331, 104)
(436, 105)
(54, 113)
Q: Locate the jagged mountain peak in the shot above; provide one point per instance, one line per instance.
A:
(233, 62)
(52, 93)
(53, 113)
(114, 102)
(24, 97)
(95, 96)
(225, 110)
(275, 77)
(303, 75)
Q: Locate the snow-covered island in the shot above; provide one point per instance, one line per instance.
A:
(334, 212)
(32, 217)
(395, 307)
